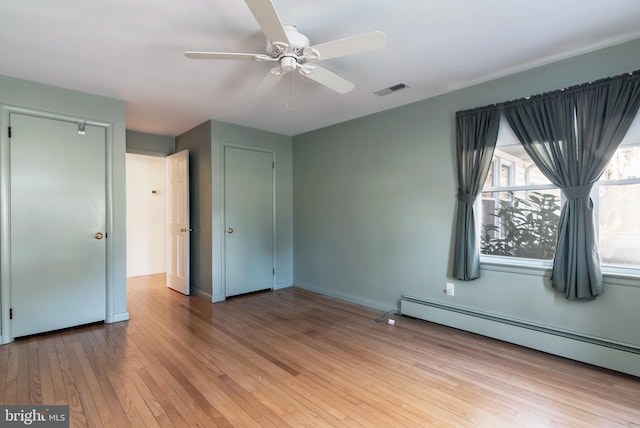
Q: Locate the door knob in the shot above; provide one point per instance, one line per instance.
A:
(98, 235)
(229, 230)
(186, 229)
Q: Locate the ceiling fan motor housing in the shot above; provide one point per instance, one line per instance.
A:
(297, 43)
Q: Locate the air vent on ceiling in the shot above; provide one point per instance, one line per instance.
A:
(391, 89)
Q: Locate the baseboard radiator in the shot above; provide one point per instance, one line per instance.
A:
(609, 354)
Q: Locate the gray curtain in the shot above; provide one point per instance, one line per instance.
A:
(571, 136)
(476, 135)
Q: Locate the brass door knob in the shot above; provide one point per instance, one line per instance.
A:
(186, 229)
(98, 235)
(229, 230)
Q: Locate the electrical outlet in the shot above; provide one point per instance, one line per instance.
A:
(450, 289)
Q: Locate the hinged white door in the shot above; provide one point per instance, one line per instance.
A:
(178, 227)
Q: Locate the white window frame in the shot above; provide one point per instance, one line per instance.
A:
(595, 197)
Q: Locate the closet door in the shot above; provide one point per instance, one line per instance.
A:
(57, 223)
(249, 237)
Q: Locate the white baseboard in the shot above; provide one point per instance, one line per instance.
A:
(597, 351)
(122, 316)
(285, 284)
(199, 293)
(345, 297)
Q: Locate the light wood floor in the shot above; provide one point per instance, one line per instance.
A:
(294, 358)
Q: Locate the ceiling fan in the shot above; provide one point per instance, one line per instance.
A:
(292, 50)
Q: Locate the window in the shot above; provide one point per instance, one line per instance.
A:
(616, 197)
(520, 209)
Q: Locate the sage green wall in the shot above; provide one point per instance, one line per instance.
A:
(374, 202)
(35, 96)
(141, 143)
(226, 133)
(198, 142)
(206, 147)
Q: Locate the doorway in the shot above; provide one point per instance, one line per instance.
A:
(158, 218)
(146, 215)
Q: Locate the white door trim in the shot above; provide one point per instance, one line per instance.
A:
(6, 334)
(223, 271)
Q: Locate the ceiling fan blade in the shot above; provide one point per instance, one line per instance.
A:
(220, 55)
(269, 81)
(330, 80)
(265, 13)
(351, 45)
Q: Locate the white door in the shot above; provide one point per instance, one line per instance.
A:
(248, 190)
(57, 216)
(178, 222)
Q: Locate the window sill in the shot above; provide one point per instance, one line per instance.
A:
(542, 268)
(532, 267)
(621, 276)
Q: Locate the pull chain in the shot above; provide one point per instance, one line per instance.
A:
(289, 99)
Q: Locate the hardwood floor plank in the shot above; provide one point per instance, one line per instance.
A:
(35, 382)
(105, 369)
(76, 412)
(22, 378)
(294, 358)
(260, 413)
(197, 402)
(4, 370)
(86, 395)
(9, 390)
(156, 377)
(57, 379)
(94, 386)
(46, 379)
(163, 409)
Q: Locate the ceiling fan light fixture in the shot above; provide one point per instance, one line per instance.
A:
(288, 63)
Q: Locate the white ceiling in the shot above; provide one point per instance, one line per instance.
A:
(133, 50)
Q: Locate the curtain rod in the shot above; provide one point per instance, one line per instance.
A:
(569, 89)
